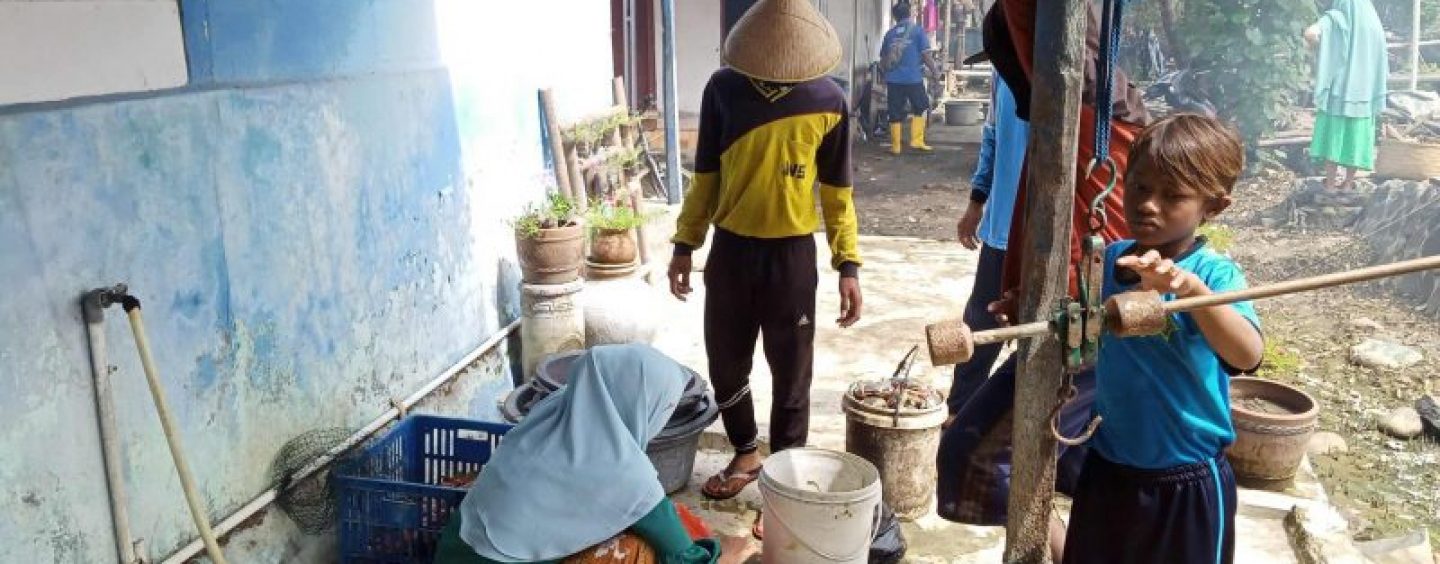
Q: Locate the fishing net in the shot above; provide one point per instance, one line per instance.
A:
(310, 503)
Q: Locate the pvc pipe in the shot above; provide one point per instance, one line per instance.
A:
(93, 306)
(172, 434)
(672, 108)
(260, 502)
(1414, 45)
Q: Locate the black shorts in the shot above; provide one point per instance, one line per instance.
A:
(897, 96)
(1180, 515)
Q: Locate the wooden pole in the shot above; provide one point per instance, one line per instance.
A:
(557, 146)
(1414, 45)
(577, 177)
(1054, 119)
(636, 201)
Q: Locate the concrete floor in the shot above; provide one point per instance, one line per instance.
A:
(907, 283)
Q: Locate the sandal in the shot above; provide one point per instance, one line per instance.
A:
(727, 484)
(758, 529)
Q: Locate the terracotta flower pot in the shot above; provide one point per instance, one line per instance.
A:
(613, 246)
(1273, 424)
(554, 256)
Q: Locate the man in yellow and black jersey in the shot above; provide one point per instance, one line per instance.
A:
(774, 131)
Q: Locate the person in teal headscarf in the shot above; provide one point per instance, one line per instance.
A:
(1350, 74)
(572, 482)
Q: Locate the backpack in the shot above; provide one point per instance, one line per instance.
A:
(895, 51)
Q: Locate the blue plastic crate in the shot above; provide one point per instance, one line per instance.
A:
(393, 498)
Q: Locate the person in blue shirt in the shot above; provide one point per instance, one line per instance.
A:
(1156, 486)
(986, 226)
(903, 60)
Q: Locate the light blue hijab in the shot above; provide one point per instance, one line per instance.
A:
(574, 473)
(1353, 64)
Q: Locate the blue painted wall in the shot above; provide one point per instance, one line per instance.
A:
(315, 226)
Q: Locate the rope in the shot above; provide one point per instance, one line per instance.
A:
(1111, 15)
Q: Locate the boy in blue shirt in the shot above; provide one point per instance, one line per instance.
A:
(1156, 486)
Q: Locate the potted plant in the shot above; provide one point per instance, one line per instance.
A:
(612, 233)
(550, 242)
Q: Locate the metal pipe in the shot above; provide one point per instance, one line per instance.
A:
(260, 502)
(1305, 284)
(1039, 328)
(172, 434)
(672, 107)
(92, 307)
(1414, 45)
(854, 56)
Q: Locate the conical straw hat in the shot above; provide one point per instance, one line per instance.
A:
(783, 41)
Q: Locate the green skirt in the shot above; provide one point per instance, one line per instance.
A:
(1346, 141)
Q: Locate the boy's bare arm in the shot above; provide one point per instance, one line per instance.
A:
(1233, 337)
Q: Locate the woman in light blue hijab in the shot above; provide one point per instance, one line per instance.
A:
(573, 474)
(1350, 75)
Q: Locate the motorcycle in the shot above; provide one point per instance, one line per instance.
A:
(1181, 90)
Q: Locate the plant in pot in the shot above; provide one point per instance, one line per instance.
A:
(549, 241)
(612, 233)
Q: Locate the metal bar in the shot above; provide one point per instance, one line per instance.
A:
(1041, 328)
(1414, 45)
(672, 108)
(198, 511)
(1305, 284)
(1049, 207)
(1425, 43)
(269, 496)
(93, 309)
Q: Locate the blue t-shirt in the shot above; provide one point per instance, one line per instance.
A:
(909, 70)
(1166, 398)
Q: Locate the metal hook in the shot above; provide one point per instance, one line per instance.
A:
(1067, 441)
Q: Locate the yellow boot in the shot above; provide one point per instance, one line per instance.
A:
(917, 134)
(896, 131)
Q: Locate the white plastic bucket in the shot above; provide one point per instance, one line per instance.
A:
(820, 506)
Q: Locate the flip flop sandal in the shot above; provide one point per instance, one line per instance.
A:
(758, 529)
(727, 484)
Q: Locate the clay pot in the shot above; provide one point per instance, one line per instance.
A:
(1268, 445)
(554, 256)
(613, 246)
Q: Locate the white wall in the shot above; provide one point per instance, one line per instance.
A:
(54, 50)
(697, 49)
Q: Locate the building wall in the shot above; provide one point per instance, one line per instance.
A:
(315, 224)
(699, 31)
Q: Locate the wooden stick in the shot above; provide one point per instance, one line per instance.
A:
(637, 202)
(1054, 140)
(557, 149)
(577, 178)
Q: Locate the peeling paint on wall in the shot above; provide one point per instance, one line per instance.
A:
(321, 229)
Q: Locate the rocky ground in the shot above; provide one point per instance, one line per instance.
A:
(1387, 486)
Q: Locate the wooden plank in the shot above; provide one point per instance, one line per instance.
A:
(1054, 121)
(557, 145)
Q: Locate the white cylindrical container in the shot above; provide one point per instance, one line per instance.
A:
(554, 322)
(620, 311)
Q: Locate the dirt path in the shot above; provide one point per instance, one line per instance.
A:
(915, 194)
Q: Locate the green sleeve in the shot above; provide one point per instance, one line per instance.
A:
(666, 535)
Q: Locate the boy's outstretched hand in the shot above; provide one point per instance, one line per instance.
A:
(1162, 275)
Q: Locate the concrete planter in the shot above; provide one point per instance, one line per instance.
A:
(553, 322)
(613, 246)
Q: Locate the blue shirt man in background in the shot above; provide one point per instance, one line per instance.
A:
(986, 226)
(903, 60)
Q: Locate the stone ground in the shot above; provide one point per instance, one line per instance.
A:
(909, 282)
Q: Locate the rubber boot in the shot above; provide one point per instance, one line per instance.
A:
(896, 132)
(917, 134)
